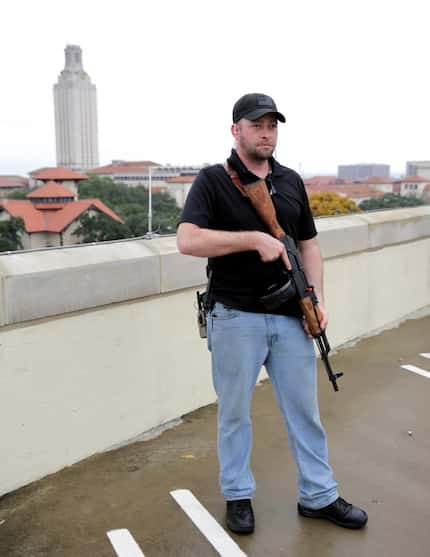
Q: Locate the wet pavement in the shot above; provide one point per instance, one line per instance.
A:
(378, 428)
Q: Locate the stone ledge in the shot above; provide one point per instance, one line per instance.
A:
(363, 231)
(41, 283)
(37, 284)
(341, 235)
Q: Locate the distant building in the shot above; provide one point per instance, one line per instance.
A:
(320, 180)
(415, 186)
(179, 187)
(10, 184)
(356, 192)
(51, 212)
(418, 168)
(363, 171)
(63, 176)
(138, 173)
(75, 101)
(386, 185)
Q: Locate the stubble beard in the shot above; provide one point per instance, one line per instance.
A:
(255, 154)
(258, 156)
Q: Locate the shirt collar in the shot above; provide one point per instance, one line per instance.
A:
(246, 175)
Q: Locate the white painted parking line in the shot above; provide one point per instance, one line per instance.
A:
(425, 355)
(124, 543)
(206, 523)
(418, 370)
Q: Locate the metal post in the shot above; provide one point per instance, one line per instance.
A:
(150, 201)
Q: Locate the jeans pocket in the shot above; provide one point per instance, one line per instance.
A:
(221, 312)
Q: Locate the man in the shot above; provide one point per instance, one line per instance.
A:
(246, 263)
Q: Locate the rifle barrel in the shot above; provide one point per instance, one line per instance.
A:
(324, 357)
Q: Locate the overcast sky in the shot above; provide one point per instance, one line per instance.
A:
(352, 78)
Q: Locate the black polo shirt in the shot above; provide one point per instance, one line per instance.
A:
(214, 202)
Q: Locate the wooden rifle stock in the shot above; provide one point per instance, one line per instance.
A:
(260, 199)
(312, 315)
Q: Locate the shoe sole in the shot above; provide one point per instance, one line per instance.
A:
(242, 531)
(316, 514)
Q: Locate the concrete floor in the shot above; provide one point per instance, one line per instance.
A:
(379, 438)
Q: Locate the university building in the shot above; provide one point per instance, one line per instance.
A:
(51, 211)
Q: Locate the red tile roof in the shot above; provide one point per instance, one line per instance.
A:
(71, 211)
(50, 189)
(59, 174)
(181, 180)
(322, 180)
(13, 182)
(123, 167)
(378, 180)
(349, 190)
(414, 179)
(34, 220)
(37, 170)
(53, 221)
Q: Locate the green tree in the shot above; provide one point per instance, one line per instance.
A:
(328, 203)
(18, 195)
(111, 193)
(131, 204)
(10, 234)
(100, 228)
(165, 213)
(135, 215)
(389, 201)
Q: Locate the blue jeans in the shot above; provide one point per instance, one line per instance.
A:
(241, 343)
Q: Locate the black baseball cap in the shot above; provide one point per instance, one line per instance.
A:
(253, 106)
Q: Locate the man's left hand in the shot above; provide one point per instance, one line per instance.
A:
(323, 322)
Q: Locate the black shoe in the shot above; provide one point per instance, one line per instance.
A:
(240, 517)
(340, 512)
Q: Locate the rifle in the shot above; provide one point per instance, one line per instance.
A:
(259, 196)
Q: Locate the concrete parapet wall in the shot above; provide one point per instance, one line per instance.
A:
(77, 382)
(44, 283)
(345, 235)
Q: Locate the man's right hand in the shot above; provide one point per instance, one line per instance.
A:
(203, 242)
(271, 249)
